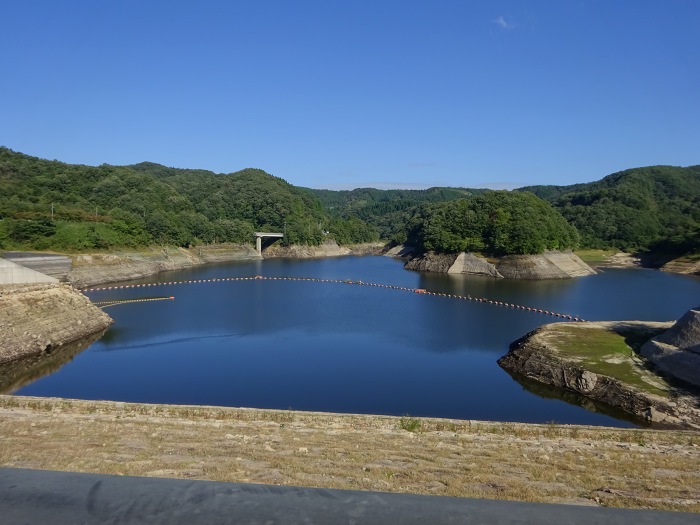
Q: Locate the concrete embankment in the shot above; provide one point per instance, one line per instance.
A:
(23, 268)
(39, 319)
(93, 269)
(595, 360)
(548, 265)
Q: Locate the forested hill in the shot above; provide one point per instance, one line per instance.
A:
(387, 210)
(494, 223)
(652, 208)
(54, 205)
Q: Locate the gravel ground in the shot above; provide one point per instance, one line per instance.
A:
(546, 463)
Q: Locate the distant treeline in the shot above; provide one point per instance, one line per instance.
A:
(52, 205)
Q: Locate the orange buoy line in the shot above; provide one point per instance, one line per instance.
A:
(105, 304)
(336, 281)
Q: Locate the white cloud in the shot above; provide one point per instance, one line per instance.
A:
(503, 23)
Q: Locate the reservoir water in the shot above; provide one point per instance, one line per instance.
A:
(346, 348)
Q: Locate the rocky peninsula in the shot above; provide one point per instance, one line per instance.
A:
(601, 361)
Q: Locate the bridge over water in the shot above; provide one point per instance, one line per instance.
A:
(259, 237)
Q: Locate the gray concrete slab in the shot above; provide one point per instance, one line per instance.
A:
(51, 264)
(35, 496)
(12, 273)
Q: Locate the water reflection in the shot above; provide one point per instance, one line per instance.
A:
(16, 374)
(573, 398)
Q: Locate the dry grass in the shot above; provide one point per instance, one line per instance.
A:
(548, 463)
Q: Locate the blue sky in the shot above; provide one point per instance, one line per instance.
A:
(353, 93)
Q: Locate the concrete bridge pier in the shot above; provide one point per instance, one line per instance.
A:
(259, 236)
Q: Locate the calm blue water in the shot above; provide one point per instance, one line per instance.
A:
(347, 348)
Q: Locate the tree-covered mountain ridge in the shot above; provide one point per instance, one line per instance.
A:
(53, 205)
(653, 208)
(48, 204)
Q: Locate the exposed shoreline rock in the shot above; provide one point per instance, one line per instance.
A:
(620, 260)
(677, 350)
(327, 249)
(39, 319)
(432, 262)
(548, 265)
(571, 356)
(93, 269)
(682, 265)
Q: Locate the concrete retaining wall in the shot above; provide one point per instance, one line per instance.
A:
(12, 273)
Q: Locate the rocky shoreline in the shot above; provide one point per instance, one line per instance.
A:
(39, 320)
(94, 269)
(548, 265)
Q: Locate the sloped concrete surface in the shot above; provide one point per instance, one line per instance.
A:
(51, 264)
(13, 273)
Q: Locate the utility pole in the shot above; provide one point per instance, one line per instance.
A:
(52, 211)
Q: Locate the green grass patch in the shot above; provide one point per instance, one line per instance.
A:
(594, 256)
(411, 424)
(607, 352)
